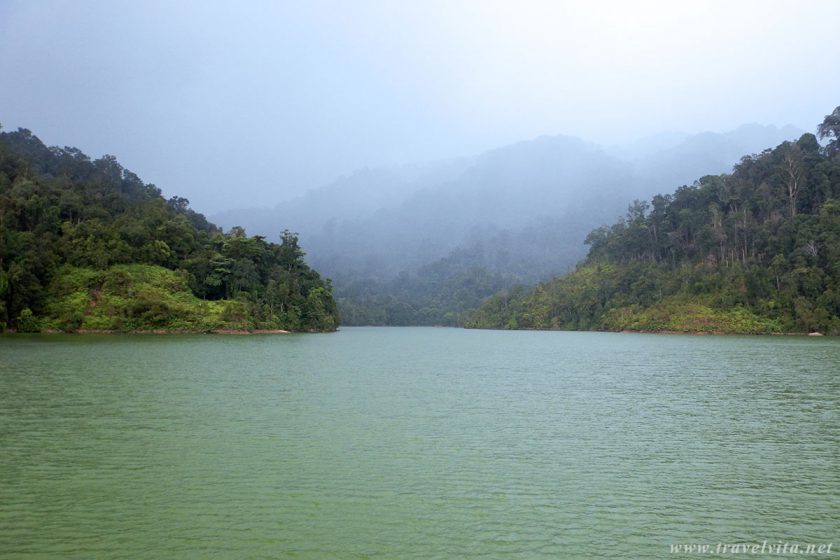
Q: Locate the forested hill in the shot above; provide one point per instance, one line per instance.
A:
(86, 245)
(426, 244)
(757, 250)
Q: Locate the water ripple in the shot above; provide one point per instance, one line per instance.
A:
(414, 443)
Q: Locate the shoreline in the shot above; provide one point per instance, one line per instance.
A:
(718, 333)
(162, 331)
(662, 331)
(245, 332)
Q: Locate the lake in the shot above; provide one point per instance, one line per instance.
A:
(415, 443)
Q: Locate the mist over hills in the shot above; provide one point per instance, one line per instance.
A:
(755, 250)
(708, 153)
(350, 197)
(408, 235)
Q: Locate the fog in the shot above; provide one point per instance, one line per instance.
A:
(237, 105)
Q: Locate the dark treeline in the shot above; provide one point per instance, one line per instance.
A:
(62, 213)
(755, 250)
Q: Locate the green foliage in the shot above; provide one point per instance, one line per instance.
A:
(133, 297)
(830, 128)
(678, 314)
(446, 291)
(27, 322)
(87, 245)
(754, 251)
(442, 293)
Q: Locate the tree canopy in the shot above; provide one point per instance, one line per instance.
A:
(61, 213)
(830, 128)
(755, 250)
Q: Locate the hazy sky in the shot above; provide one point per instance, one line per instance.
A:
(239, 104)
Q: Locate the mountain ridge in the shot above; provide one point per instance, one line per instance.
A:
(753, 251)
(559, 184)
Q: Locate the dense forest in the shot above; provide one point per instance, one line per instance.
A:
(443, 293)
(86, 245)
(447, 291)
(753, 251)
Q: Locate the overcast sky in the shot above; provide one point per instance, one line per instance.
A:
(243, 104)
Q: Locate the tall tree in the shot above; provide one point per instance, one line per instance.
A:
(830, 128)
(792, 173)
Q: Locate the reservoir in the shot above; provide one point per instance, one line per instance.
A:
(415, 443)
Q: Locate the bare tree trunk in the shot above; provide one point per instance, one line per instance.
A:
(793, 175)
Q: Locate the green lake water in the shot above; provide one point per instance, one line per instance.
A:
(415, 443)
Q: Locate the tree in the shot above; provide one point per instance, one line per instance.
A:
(290, 255)
(830, 128)
(792, 173)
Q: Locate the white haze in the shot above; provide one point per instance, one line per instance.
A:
(246, 104)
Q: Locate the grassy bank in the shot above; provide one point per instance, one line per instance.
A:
(131, 298)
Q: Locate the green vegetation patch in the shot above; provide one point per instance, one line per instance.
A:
(129, 298)
(685, 316)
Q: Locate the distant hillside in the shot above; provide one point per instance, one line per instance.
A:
(354, 197)
(86, 245)
(707, 153)
(389, 220)
(754, 251)
(504, 190)
(518, 214)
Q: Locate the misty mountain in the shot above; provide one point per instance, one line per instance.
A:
(385, 220)
(388, 219)
(733, 253)
(352, 197)
(505, 189)
(708, 153)
(520, 212)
